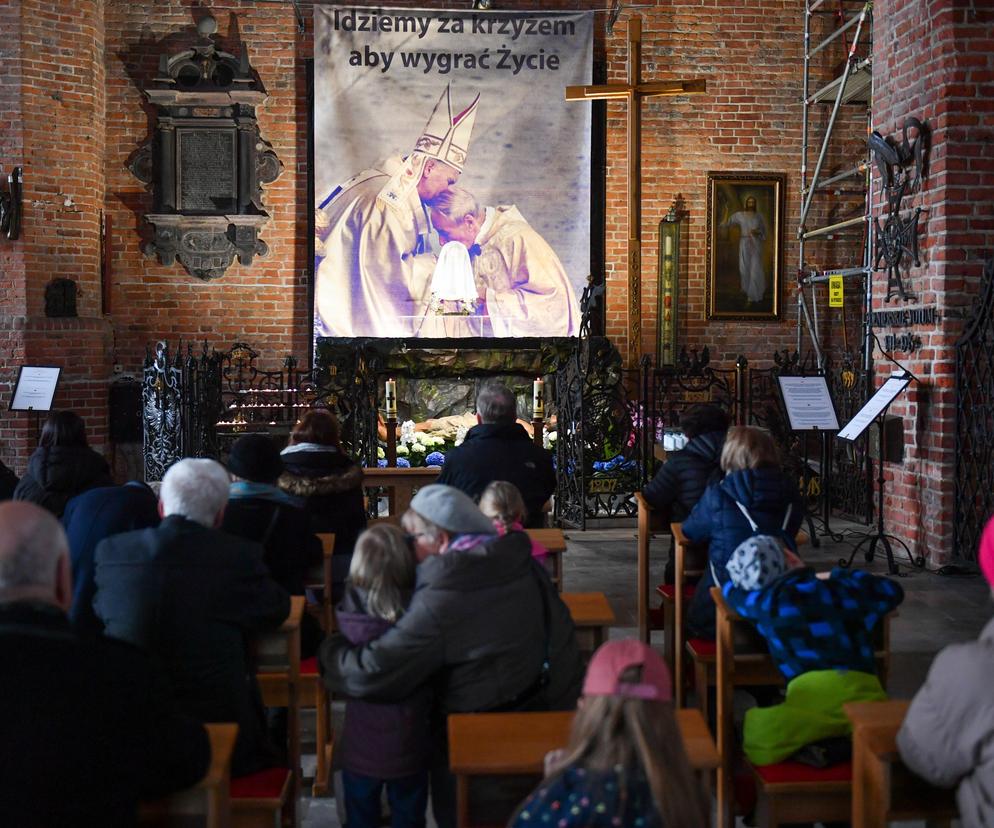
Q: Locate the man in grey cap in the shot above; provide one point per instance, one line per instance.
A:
(485, 622)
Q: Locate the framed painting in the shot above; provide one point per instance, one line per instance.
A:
(744, 245)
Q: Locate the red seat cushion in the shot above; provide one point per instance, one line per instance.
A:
(796, 772)
(264, 784)
(668, 591)
(309, 666)
(703, 647)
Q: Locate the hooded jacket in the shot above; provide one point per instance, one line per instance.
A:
(502, 451)
(329, 483)
(947, 733)
(476, 623)
(717, 521)
(57, 473)
(382, 741)
(682, 479)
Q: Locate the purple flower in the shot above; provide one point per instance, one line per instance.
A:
(403, 463)
(436, 458)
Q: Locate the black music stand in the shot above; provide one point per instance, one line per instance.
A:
(875, 410)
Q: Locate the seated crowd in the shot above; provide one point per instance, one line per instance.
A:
(130, 625)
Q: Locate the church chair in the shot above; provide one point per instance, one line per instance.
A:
(884, 789)
(320, 579)
(266, 797)
(208, 803)
(650, 522)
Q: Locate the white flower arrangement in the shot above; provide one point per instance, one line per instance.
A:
(402, 451)
(407, 432)
(380, 453)
(460, 435)
(549, 439)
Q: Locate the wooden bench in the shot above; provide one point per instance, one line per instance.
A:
(650, 522)
(320, 578)
(592, 616)
(883, 788)
(555, 541)
(208, 803)
(261, 798)
(515, 744)
(400, 485)
(791, 792)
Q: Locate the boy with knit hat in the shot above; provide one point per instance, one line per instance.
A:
(819, 628)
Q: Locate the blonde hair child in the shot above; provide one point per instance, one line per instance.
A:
(383, 566)
(502, 503)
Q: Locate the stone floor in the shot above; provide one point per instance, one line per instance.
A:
(937, 610)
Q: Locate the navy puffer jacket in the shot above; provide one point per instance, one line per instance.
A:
(717, 521)
(683, 478)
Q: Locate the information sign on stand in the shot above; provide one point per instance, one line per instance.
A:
(809, 404)
(875, 406)
(35, 388)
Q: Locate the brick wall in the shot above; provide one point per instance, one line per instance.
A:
(935, 60)
(55, 92)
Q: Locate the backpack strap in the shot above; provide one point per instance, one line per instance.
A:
(748, 517)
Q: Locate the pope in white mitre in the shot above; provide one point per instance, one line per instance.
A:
(521, 283)
(374, 258)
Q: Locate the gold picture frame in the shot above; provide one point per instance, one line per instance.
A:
(745, 215)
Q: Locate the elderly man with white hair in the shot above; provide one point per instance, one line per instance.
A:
(190, 595)
(80, 710)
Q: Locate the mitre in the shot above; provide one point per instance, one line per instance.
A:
(446, 137)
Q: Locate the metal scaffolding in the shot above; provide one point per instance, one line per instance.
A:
(851, 85)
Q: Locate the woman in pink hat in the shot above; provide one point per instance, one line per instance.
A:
(625, 766)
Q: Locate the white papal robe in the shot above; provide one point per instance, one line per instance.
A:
(527, 290)
(374, 260)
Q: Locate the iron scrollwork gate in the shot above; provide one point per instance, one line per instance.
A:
(975, 422)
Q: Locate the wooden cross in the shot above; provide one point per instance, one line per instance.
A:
(633, 91)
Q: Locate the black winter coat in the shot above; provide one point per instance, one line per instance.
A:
(190, 596)
(477, 624)
(329, 483)
(502, 451)
(88, 713)
(682, 479)
(58, 473)
(8, 482)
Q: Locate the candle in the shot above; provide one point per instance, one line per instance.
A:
(391, 398)
(669, 245)
(538, 399)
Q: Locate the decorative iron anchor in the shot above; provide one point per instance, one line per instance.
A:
(10, 205)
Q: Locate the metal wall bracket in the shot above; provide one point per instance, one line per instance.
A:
(11, 205)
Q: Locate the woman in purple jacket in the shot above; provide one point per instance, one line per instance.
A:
(382, 744)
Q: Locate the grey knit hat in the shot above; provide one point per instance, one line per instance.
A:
(451, 509)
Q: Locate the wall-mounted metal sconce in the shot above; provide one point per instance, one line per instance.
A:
(669, 286)
(10, 205)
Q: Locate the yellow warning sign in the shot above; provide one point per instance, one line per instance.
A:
(836, 292)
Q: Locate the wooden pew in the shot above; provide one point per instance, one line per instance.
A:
(883, 788)
(792, 792)
(321, 578)
(278, 675)
(650, 522)
(515, 744)
(400, 485)
(555, 541)
(592, 616)
(208, 802)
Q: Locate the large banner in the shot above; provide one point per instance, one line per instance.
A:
(452, 179)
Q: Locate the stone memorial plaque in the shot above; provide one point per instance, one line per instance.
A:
(207, 174)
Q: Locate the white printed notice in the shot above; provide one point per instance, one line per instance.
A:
(875, 406)
(809, 405)
(35, 388)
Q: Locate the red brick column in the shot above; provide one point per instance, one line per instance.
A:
(934, 59)
(52, 98)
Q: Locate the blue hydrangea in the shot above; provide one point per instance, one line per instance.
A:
(436, 458)
(381, 463)
(403, 463)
